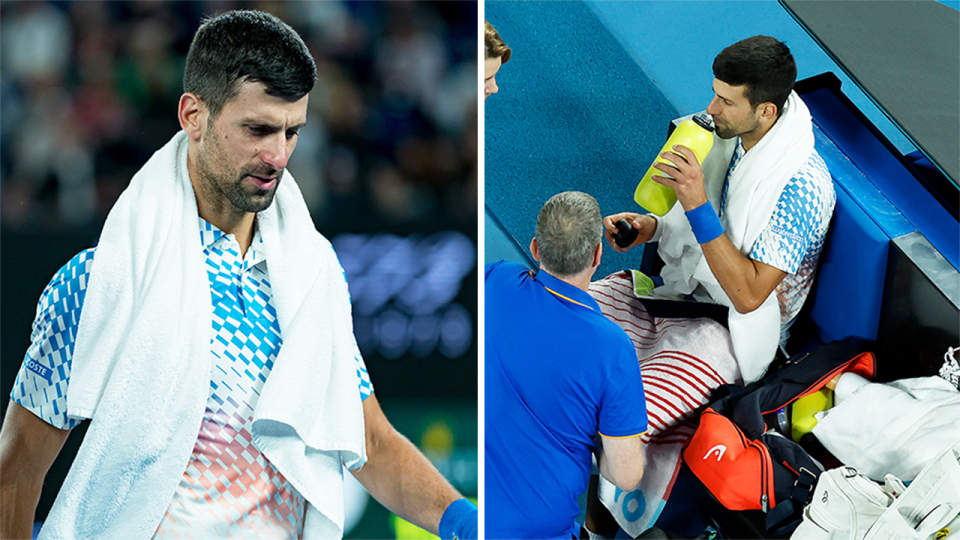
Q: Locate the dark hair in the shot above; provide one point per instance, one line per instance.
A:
(762, 63)
(569, 227)
(240, 46)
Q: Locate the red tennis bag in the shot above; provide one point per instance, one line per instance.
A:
(747, 465)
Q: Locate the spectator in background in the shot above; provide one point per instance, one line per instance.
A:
(94, 80)
(496, 53)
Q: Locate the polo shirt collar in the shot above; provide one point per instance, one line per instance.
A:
(566, 291)
(210, 235)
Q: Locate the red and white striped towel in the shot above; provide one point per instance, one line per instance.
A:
(682, 361)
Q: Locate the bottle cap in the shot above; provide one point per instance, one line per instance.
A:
(705, 121)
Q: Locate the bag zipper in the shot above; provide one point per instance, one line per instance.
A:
(768, 468)
(764, 498)
(822, 381)
(765, 459)
(789, 362)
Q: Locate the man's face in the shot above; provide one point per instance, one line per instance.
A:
(490, 68)
(243, 152)
(731, 111)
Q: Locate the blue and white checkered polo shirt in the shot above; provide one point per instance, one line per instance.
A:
(795, 234)
(228, 489)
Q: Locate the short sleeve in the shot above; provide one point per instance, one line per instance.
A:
(363, 378)
(795, 223)
(41, 384)
(490, 268)
(623, 411)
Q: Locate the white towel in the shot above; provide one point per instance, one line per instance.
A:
(141, 365)
(893, 428)
(682, 361)
(755, 188)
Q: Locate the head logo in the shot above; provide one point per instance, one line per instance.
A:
(719, 449)
(942, 533)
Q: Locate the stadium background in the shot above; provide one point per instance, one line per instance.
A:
(387, 163)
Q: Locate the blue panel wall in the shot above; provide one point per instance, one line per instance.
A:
(850, 283)
(849, 287)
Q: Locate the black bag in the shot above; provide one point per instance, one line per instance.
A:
(742, 461)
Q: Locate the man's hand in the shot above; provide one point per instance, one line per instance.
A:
(687, 177)
(645, 224)
(747, 282)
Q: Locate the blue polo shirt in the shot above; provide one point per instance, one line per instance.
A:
(557, 373)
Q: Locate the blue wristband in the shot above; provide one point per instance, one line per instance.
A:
(459, 521)
(705, 223)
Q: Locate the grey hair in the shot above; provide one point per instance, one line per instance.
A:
(569, 227)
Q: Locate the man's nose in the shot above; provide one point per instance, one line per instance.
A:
(277, 151)
(492, 87)
(714, 107)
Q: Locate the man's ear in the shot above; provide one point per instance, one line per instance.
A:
(768, 111)
(533, 249)
(597, 254)
(192, 113)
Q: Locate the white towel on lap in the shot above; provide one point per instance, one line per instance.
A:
(141, 365)
(682, 361)
(752, 196)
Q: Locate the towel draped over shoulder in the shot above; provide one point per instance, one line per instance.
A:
(141, 365)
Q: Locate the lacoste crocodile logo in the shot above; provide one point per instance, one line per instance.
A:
(719, 449)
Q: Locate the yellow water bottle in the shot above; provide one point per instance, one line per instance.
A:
(802, 418)
(697, 135)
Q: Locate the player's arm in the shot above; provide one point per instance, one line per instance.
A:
(746, 281)
(400, 477)
(28, 446)
(620, 460)
(30, 440)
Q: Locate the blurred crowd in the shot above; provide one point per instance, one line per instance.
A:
(89, 90)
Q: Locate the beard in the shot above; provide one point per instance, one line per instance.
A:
(729, 131)
(244, 197)
(726, 132)
(225, 183)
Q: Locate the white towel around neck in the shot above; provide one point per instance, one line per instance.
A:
(141, 365)
(755, 188)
